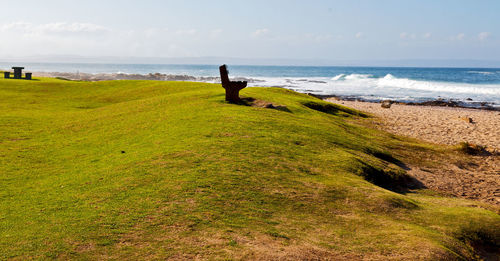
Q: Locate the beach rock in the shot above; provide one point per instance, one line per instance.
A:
(317, 81)
(438, 102)
(386, 104)
(467, 119)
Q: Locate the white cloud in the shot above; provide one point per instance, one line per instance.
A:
(22, 38)
(460, 36)
(153, 32)
(323, 37)
(405, 35)
(427, 35)
(52, 28)
(186, 32)
(215, 33)
(318, 38)
(483, 36)
(359, 35)
(73, 27)
(261, 32)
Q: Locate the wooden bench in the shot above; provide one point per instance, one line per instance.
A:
(233, 88)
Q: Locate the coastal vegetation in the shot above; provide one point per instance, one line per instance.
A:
(154, 170)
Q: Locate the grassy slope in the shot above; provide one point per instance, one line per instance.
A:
(203, 178)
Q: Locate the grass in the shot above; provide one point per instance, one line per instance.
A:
(155, 170)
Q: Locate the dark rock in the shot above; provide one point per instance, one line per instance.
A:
(386, 104)
(438, 102)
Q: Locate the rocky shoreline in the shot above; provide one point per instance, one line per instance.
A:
(125, 76)
(436, 124)
(214, 79)
(470, 104)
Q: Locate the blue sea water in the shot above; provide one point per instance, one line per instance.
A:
(469, 85)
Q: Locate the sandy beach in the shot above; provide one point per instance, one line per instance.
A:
(442, 125)
(479, 177)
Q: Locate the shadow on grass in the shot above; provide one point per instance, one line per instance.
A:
(386, 157)
(333, 109)
(249, 101)
(32, 80)
(484, 240)
(394, 180)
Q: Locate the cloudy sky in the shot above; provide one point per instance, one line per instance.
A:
(312, 29)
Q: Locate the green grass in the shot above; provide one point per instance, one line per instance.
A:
(155, 170)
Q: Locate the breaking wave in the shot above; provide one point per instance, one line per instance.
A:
(483, 72)
(388, 86)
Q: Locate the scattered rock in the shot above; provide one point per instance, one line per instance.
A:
(386, 104)
(467, 119)
(123, 151)
(317, 81)
(436, 103)
(468, 99)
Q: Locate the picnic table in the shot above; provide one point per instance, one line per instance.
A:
(18, 74)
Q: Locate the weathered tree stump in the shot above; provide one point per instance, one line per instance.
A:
(233, 88)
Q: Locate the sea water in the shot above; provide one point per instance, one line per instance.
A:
(471, 86)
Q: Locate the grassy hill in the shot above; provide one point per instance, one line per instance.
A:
(154, 170)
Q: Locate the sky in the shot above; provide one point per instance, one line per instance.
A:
(313, 30)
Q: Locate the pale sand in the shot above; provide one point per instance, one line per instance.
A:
(476, 177)
(441, 125)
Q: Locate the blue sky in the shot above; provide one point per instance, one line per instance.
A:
(272, 29)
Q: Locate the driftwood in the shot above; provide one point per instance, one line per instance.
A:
(233, 88)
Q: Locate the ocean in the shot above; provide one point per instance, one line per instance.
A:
(469, 86)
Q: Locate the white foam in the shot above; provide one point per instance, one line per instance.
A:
(389, 86)
(338, 77)
(356, 76)
(393, 82)
(482, 72)
(389, 77)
